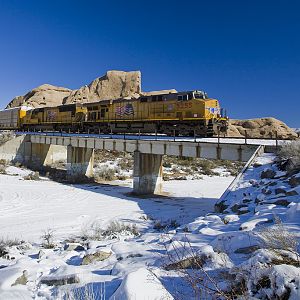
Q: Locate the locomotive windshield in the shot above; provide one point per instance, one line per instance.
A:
(200, 95)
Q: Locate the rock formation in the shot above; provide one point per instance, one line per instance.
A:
(113, 85)
(44, 95)
(260, 128)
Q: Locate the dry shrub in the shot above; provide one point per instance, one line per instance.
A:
(2, 170)
(288, 157)
(3, 162)
(105, 173)
(5, 137)
(290, 150)
(32, 176)
(47, 237)
(121, 177)
(102, 156)
(125, 163)
(6, 243)
(200, 165)
(112, 231)
(281, 241)
(115, 228)
(3, 165)
(165, 226)
(190, 265)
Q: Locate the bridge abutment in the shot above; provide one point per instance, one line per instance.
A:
(147, 173)
(80, 163)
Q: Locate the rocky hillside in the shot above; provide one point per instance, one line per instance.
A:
(260, 128)
(113, 85)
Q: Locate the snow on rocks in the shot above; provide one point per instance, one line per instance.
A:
(94, 257)
(141, 284)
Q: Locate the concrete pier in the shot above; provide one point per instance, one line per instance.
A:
(147, 173)
(37, 155)
(80, 163)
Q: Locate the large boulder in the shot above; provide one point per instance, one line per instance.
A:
(260, 128)
(113, 85)
(95, 257)
(44, 95)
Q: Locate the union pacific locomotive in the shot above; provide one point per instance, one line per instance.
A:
(183, 113)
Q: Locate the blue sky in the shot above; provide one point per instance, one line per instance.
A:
(244, 53)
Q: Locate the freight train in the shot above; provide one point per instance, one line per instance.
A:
(190, 113)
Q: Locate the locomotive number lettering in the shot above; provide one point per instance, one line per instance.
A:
(184, 105)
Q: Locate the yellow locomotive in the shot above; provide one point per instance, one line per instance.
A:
(183, 113)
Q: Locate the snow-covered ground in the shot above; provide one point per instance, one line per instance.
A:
(29, 208)
(249, 248)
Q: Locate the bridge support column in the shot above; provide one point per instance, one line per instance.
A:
(147, 173)
(37, 155)
(80, 163)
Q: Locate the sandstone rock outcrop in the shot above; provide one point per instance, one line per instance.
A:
(113, 85)
(260, 128)
(44, 95)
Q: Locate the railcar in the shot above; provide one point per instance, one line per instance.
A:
(11, 119)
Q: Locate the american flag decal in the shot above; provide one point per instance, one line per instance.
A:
(126, 110)
(51, 115)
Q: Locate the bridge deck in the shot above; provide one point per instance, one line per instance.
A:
(162, 146)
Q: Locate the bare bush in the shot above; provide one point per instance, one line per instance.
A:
(192, 166)
(3, 162)
(5, 243)
(5, 137)
(47, 237)
(112, 231)
(165, 226)
(102, 156)
(290, 150)
(190, 265)
(105, 173)
(2, 170)
(3, 165)
(288, 157)
(126, 163)
(32, 176)
(280, 240)
(115, 228)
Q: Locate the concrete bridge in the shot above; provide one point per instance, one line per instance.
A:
(43, 149)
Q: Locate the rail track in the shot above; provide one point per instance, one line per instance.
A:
(157, 137)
